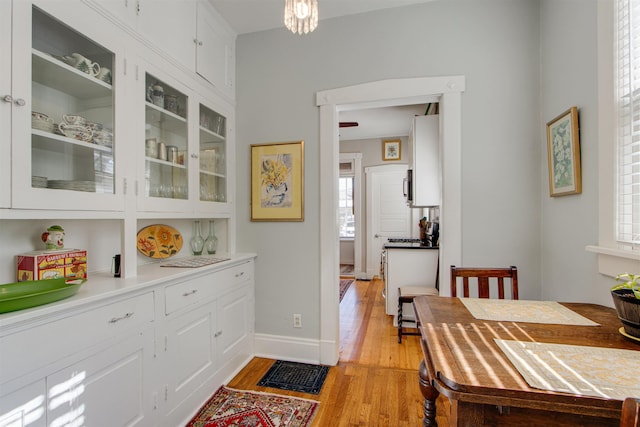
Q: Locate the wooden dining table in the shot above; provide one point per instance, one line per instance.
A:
(463, 362)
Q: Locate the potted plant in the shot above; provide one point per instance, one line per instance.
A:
(626, 298)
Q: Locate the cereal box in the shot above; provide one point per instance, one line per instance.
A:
(38, 265)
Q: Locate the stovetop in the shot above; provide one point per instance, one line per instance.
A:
(403, 240)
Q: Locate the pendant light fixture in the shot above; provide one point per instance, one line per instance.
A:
(301, 16)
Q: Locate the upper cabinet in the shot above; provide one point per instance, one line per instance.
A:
(93, 116)
(424, 161)
(216, 57)
(63, 137)
(190, 32)
(184, 148)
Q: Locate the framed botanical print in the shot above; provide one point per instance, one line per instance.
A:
(391, 150)
(563, 149)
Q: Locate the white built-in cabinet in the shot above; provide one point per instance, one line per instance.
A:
(110, 174)
(184, 148)
(424, 161)
(191, 32)
(150, 355)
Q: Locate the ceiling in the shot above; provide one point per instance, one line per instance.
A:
(249, 16)
(381, 122)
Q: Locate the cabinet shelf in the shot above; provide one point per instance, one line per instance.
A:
(58, 143)
(216, 174)
(164, 119)
(208, 136)
(51, 72)
(165, 163)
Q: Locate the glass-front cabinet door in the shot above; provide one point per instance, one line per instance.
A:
(212, 156)
(64, 152)
(166, 144)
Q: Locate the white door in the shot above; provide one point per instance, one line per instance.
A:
(387, 212)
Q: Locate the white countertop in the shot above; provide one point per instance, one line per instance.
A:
(103, 286)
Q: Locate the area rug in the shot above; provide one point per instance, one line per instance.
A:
(236, 408)
(295, 376)
(344, 286)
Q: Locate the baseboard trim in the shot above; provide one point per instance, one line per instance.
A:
(292, 349)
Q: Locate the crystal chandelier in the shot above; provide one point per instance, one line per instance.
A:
(301, 16)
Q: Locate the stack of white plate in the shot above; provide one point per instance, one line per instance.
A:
(39, 181)
(63, 184)
(42, 122)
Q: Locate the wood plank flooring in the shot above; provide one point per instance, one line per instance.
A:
(376, 380)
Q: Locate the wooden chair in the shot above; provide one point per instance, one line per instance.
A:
(483, 277)
(406, 294)
(630, 413)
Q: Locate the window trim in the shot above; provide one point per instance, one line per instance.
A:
(611, 259)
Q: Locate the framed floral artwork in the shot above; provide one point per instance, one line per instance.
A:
(391, 150)
(563, 149)
(277, 181)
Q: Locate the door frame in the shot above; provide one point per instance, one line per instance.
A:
(384, 93)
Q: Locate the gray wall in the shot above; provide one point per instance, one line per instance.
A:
(569, 78)
(495, 44)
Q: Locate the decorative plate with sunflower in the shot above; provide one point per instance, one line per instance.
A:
(159, 241)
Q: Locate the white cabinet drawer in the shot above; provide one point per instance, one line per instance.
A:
(208, 286)
(189, 292)
(241, 273)
(33, 348)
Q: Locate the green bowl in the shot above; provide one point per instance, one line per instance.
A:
(21, 295)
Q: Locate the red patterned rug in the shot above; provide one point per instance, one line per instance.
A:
(344, 286)
(237, 408)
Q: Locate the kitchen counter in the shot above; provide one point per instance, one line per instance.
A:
(102, 286)
(408, 245)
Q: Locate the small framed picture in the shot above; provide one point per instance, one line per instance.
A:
(563, 149)
(391, 150)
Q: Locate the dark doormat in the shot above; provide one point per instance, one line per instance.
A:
(295, 376)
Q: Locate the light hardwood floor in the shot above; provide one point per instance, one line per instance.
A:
(376, 380)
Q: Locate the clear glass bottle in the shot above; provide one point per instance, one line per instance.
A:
(197, 242)
(211, 243)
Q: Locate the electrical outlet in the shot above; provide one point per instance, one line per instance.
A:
(297, 320)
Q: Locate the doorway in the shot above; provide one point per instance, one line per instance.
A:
(384, 93)
(350, 168)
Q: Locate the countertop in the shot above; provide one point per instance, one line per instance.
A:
(103, 286)
(408, 245)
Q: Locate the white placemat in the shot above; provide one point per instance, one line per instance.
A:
(506, 310)
(592, 371)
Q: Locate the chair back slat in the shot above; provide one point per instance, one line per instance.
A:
(483, 277)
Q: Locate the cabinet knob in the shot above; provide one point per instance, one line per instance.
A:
(186, 294)
(18, 101)
(194, 156)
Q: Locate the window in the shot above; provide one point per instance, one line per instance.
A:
(627, 79)
(345, 207)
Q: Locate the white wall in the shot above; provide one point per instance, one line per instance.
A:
(569, 78)
(494, 43)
